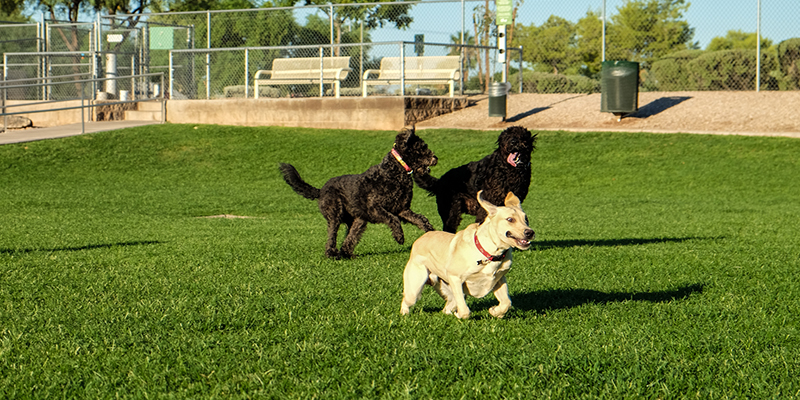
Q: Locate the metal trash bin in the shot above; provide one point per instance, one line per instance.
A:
(619, 83)
(498, 95)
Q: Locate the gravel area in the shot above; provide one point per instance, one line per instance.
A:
(734, 113)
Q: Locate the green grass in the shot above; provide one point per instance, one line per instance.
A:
(665, 266)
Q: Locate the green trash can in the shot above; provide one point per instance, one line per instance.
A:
(619, 87)
(498, 95)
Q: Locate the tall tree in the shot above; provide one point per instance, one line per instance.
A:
(552, 45)
(736, 39)
(644, 30)
(371, 14)
(469, 55)
(589, 39)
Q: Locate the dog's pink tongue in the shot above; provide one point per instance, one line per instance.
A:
(511, 159)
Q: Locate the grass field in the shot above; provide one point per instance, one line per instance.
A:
(665, 266)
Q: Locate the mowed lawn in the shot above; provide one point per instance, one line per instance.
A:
(665, 266)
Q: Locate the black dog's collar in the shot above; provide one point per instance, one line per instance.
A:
(489, 257)
(400, 160)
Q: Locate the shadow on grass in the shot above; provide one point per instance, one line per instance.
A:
(551, 244)
(79, 248)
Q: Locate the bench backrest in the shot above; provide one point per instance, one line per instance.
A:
(420, 67)
(309, 67)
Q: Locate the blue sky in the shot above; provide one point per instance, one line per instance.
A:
(780, 19)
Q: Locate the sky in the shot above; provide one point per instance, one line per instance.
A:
(780, 19)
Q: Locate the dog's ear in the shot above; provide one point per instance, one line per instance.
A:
(512, 200)
(405, 134)
(490, 208)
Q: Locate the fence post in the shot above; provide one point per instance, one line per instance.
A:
(402, 69)
(321, 67)
(520, 69)
(758, 47)
(246, 71)
(171, 75)
(208, 55)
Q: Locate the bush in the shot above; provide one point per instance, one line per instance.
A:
(541, 82)
(670, 73)
(788, 76)
(731, 70)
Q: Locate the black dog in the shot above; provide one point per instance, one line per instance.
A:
(381, 195)
(507, 169)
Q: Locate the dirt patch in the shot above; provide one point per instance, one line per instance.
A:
(737, 113)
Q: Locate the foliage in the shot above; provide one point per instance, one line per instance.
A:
(372, 15)
(542, 82)
(736, 39)
(665, 266)
(589, 43)
(645, 30)
(788, 53)
(730, 70)
(551, 45)
(672, 72)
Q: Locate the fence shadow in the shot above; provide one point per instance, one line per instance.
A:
(657, 106)
(79, 248)
(527, 114)
(539, 109)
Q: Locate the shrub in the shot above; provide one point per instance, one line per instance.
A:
(670, 73)
(541, 82)
(788, 76)
(731, 70)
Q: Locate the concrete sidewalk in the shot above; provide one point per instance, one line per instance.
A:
(32, 134)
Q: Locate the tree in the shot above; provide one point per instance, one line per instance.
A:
(644, 30)
(469, 56)
(372, 16)
(589, 39)
(738, 40)
(553, 44)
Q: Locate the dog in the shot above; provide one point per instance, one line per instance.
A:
(507, 169)
(381, 195)
(474, 261)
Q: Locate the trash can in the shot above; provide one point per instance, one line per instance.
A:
(498, 94)
(619, 87)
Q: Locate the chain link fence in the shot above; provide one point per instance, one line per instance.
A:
(680, 47)
(232, 71)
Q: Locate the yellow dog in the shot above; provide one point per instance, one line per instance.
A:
(473, 261)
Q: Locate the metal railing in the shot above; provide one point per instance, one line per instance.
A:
(228, 72)
(86, 100)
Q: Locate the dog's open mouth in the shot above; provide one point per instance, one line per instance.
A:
(513, 159)
(521, 244)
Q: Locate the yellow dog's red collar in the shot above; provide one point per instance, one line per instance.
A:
(489, 256)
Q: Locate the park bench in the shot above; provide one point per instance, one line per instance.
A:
(301, 71)
(423, 70)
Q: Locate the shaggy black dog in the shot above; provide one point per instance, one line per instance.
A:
(507, 169)
(381, 195)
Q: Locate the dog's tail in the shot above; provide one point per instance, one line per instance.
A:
(427, 182)
(292, 177)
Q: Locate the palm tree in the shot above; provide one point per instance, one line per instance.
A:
(469, 55)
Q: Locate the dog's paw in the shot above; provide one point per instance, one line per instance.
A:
(332, 253)
(498, 312)
(428, 227)
(464, 315)
(400, 239)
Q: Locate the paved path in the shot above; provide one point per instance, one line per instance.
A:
(32, 134)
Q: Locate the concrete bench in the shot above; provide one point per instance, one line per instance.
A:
(302, 71)
(418, 70)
